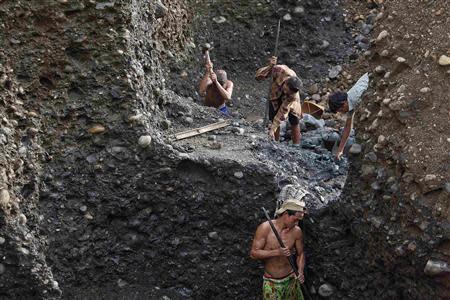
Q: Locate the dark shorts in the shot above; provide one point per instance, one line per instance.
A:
(293, 120)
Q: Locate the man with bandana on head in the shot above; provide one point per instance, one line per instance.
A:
(279, 280)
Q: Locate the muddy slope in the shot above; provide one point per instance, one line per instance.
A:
(397, 192)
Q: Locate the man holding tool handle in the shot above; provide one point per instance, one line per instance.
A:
(275, 243)
(215, 86)
(284, 97)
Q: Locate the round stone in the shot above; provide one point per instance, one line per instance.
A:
(219, 20)
(22, 219)
(355, 149)
(4, 197)
(326, 290)
(239, 175)
(444, 60)
(287, 17)
(382, 35)
(213, 235)
(144, 141)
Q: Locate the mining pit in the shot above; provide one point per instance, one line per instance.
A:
(99, 201)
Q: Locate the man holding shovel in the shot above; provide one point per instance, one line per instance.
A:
(280, 281)
(284, 98)
(215, 86)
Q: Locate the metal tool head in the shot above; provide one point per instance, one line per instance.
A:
(207, 47)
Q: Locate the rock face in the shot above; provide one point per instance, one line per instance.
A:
(394, 197)
(95, 201)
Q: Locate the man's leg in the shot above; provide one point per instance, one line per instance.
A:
(272, 114)
(295, 129)
(277, 135)
(295, 134)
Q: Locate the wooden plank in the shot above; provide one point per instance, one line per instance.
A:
(201, 130)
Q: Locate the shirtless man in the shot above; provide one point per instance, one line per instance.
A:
(284, 98)
(279, 281)
(216, 88)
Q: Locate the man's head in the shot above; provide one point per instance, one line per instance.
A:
(292, 211)
(337, 102)
(292, 85)
(221, 77)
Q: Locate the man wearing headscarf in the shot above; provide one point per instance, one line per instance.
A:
(279, 280)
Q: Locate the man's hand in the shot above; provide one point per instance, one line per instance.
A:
(301, 277)
(213, 77)
(209, 67)
(273, 61)
(284, 252)
(338, 155)
(271, 134)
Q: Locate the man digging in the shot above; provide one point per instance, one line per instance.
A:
(347, 103)
(284, 98)
(215, 86)
(279, 280)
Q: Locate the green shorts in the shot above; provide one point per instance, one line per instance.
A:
(287, 288)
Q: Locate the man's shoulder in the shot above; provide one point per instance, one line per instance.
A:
(264, 225)
(298, 231)
(229, 82)
(263, 229)
(284, 69)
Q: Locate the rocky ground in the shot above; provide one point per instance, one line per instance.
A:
(99, 201)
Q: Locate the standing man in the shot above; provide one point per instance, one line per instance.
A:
(284, 98)
(279, 281)
(215, 87)
(347, 103)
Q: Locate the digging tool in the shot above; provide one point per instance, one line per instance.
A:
(290, 258)
(206, 48)
(275, 53)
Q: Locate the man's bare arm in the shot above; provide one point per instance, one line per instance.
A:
(345, 134)
(300, 252)
(259, 241)
(266, 71)
(203, 85)
(225, 92)
(206, 80)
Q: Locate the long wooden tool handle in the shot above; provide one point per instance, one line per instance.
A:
(275, 53)
(280, 241)
(207, 58)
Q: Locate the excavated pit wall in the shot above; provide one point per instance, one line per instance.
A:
(94, 214)
(88, 211)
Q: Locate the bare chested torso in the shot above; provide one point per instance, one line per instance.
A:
(279, 267)
(213, 97)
